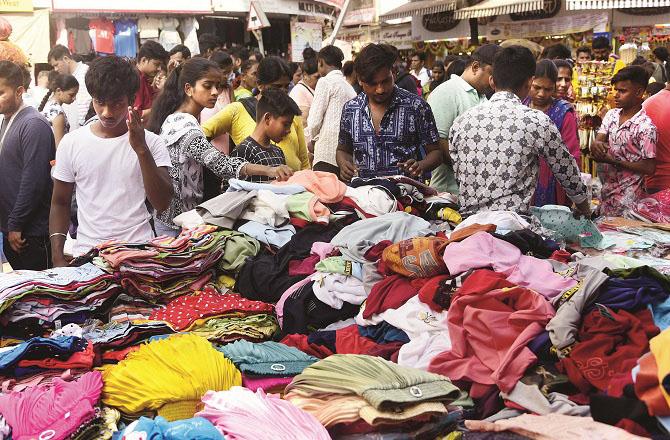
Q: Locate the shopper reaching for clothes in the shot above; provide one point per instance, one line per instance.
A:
(113, 162)
(191, 87)
(239, 118)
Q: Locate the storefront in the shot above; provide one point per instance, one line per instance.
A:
(440, 27)
(88, 27)
(289, 20)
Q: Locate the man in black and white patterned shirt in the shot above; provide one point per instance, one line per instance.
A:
(253, 152)
(497, 145)
(274, 117)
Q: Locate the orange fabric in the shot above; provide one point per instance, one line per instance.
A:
(464, 233)
(647, 387)
(419, 257)
(80, 359)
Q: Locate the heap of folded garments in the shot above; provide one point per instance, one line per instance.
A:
(63, 410)
(166, 268)
(246, 415)
(269, 365)
(70, 294)
(221, 317)
(361, 392)
(368, 308)
(168, 377)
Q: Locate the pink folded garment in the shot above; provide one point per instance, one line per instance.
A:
(52, 412)
(267, 384)
(326, 186)
(240, 414)
(482, 250)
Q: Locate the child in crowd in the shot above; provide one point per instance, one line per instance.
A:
(150, 58)
(626, 143)
(274, 117)
(114, 164)
(62, 89)
(191, 87)
(248, 80)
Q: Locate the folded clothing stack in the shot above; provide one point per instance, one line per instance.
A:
(54, 412)
(218, 316)
(168, 267)
(61, 293)
(244, 415)
(269, 366)
(168, 376)
(350, 389)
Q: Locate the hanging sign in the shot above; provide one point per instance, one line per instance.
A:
(16, 5)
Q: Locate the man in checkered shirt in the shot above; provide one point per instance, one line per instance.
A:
(497, 145)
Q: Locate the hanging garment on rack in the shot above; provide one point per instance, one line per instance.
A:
(169, 36)
(80, 38)
(149, 28)
(104, 35)
(61, 32)
(125, 39)
(188, 27)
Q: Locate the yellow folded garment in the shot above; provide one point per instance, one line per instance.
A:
(180, 368)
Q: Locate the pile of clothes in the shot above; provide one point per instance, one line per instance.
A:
(67, 294)
(315, 309)
(166, 268)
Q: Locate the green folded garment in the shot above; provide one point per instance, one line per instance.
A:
(267, 358)
(381, 383)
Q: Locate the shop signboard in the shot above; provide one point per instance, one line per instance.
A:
(16, 5)
(439, 22)
(569, 24)
(141, 6)
(360, 12)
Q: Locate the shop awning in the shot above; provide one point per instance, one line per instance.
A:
(615, 4)
(488, 8)
(421, 7)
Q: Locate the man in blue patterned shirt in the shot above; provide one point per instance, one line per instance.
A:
(384, 129)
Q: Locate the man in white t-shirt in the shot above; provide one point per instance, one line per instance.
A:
(61, 60)
(114, 164)
(418, 68)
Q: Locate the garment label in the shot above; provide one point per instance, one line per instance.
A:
(605, 311)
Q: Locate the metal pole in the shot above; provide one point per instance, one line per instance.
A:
(338, 24)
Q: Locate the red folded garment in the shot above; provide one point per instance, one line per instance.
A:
(182, 312)
(389, 293)
(80, 359)
(300, 342)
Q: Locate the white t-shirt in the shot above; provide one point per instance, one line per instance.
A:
(189, 26)
(423, 75)
(148, 27)
(109, 188)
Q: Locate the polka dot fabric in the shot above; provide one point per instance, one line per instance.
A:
(182, 312)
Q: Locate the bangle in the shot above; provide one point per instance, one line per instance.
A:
(56, 234)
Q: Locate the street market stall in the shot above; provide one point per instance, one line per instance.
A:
(314, 309)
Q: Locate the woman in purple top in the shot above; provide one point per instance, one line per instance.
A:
(541, 97)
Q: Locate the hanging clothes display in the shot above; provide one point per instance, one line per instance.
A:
(169, 36)
(104, 35)
(125, 38)
(189, 27)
